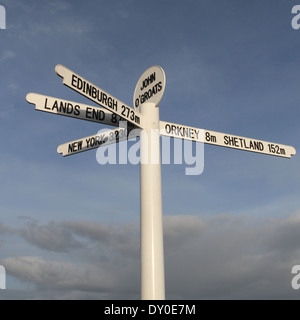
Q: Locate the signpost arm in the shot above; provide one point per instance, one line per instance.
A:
(152, 252)
(226, 140)
(73, 109)
(95, 141)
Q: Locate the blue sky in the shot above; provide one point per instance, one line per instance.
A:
(69, 227)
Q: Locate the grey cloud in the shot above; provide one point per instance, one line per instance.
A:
(93, 230)
(52, 237)
(177, 229)
(58, 275)
(69, 235)
(231, 259)
(59, 22)
(56, 6)
(5, 229)
(222, 257)
(286, 235)
(7, 55)
(124, 239)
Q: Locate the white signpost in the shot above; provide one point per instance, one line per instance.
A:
(93, 142)
(147, 95)
(225, 140)
(148, 92)
(73, 109)
(2, 278)
(99, 96)
(150, 87)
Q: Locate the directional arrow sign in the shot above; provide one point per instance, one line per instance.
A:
(96, 141)
(225, 140)
(97, 95)
(73, 109)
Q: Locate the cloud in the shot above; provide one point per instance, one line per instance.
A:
(56, 6)
(30, 6)
(58, 275)
(178, 229)
(52, 237)
(7, 55)
(233, 258)
(4, 229)
(123, 239)
(46, 19)
(206, 257)
(285, 236)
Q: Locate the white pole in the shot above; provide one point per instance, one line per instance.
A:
(152, 252)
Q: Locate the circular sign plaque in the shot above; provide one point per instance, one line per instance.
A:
(150, 87)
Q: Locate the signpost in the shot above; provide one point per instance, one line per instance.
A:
(148, 92)
(73, 109)
(147, 95)
(226, 140)
(150, 87)
(93, 142)
(99, 96)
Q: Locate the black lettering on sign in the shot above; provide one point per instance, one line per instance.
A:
(168, 128)
(77, 110)
(276, 149)
(148, 94)
(88, 113)
(173, 129)
(73, 82)
(64, 107)
(148, 81)
(137, 103)
(259, 146)
(243, 143)
(235, 142)
(94, 93)
(226, 140)
(70, 108)
(90, 142)
(46, 101)
(55, 106)
(113, 118)
(75, 146)
(252, 145)
(126, 111)
(159, 86)
(182, 132)
(96, 141)
(89, 90)
(94, 114)
(231, 141)
(210, 138)
(132, 115)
